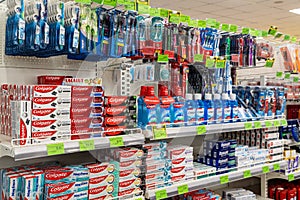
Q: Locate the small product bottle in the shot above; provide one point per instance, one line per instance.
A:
(234, 108)
(226, 108)
(209, 109)
(151, 107)
(166, 105)
(190, 110)
(199, 109)
(218, 108)
(143, 93)
(178, 111)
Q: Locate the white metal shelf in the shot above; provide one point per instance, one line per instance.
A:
(70, 146)
(211, 181)
(277, 175)
(186, 131)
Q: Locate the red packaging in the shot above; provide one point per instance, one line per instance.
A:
(51, 125)
(50, 113)
(120, 110)
(51, 102)
(51, 91)
(63, 197)
(120, 100)
(87, 122)
(92, 91)
(128, 121)
(114, 130)
(86, 112)
(277, 192)
(86, 101)
(51, 80)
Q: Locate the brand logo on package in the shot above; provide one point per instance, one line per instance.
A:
(126, 183)
(177, 169)
(61, 188)
(115, 120)
(44, 100)
(43, 134)
(81, 88)
(53, 175)
(98, 169)
(44, 89)
(42, 112)
(115, 110)
(97, 180)
(116, 100)
(178, 161)
(23, 132)
(178, 152)
(42, 123)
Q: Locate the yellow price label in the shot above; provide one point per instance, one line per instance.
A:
(201, 130)
(161, 194)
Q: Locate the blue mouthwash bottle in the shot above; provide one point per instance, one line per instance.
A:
(141, 104)
(209, 109)
(150, 109)
(226, 108)
(218, 108)
(178, 112)
(234, 108)
(199, 109)
(166, 105)
(190, 110)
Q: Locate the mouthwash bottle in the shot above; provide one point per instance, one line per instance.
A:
(190, 110)
(150, 108)
(199, 109)
(166, 105)
(226, 108)
(178, 111)
(218, 108)
(209, 109)
(141, 104)
(234, 108)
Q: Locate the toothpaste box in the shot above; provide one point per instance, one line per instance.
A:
(46, 136)
(21, 121)
(120, 111)
(109, 179)
(128, 164)
(159, 165)
(175, 171)
(51, 102)
(59, 189)
(183, 177)
(120, 100)
(86, 101)
(129, 174)
(51, 80)
(86, 112)
(156, 156)
(51, 125)
(39, 174)
(78, 123)
(275, 143)
(211, 144)
(155, 146)
(174, 152)
(81, 186)
(154, 177)
(51, 91)
(268, 136)
(201, 170)
(128, 121)
(64, 197)
(103, 192)
(102, 169)
(83, 195)
(276, 150)
(114, 130)
(13, 182)
(129, 184)
(125, 154)
(179, 162)
(92, 91)
(130, 192)
(58, 175)
(29, 189)
(51, 113)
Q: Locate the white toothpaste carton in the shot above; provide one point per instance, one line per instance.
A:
(101, 181)
(51, 113)
(269, 136)
(29, 190)
(185, 161)
(51, 102)
(96, 170)
(276, 150)
(46, 136)
(51, 125)
(275, 143)
(83, 195)
(174, 152)
(129, 174)
(81, 186)
(129, 184)
(106, 192)
(51, 91)
(13, 185)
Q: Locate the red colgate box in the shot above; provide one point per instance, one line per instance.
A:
(63, 197)
(51, 80)
(51, 91)
(103, 192)
(87, 122)
(100, 169)
(128, 121)
(51, 102)
(129, 184)
(87, 101)
(54, 190)
(114, 130)
(53, 176)
(126, 154)
(92, 91)
(86, 112)
(51, 125)
(50, 113)
(84, 133)
(136, 191)
(120, 100)
(120, 110)
(46, 136)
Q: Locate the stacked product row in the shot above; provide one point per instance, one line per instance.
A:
(281, 190)
(39, 113)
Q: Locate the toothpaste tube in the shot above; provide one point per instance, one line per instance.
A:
(92, 91)
(84, 101)
(50, 113)
(59, 189)
(51, 91)
(51, 102)
(86, 112)
(51, 125)
(120, 100)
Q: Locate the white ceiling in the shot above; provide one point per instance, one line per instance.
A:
(259, 14)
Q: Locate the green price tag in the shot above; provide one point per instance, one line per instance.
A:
(252, 32)
(279, 74)
(121, 2)
(210, 62)
(145, 2)
(154, 12)
(140, 198)
(245, 31)
(258, 33)
(276, 123)
(276, 167)
(129, 5)
(248, 125)
(110, 2)
(163, 58)
(143, 9)
(272, 31)
(217, 25)
(284, 122)
(163, 12)
(233, 28)
(55, 149)
(201, 130)
(201, 23)
(294, 40)
(225, 27)
(265, 169)
(159, 132)
(220, 64)
(268, 124)
(247, 174)
(224, 179)
(278, 35)
(286, 37)
(174, 18)
(193, 23)
(98, 1)
(161, 194)
(198, 58)
(296, 79)
(185, 18)
(116, 141)
(291, 177)
(83, 1)
(269, 63)
(86, 145)
(211, 22)
(287, 75)
(257, 125)
(183, 189)
(264, 33)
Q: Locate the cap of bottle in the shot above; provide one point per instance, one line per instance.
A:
(163, 91)
(143, 91)
(208, 96)
(225, 96)
(150, 91)
(198, 96)
(217, 96)
(233, 96)
(189, 96)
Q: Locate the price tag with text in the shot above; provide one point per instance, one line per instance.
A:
(224, 179)
(291, 177)
(161, 194)
(225, 27)
(265, 169)
(269, 124)
(277, 123)
(233, 28)
(201, 130)
(279, 74)
(198, 58)
(183, 189)
(257, 125)
(220, 64)
(287, 75)
(116, 141)
(296, 79)
(248, 125)
(55, 149)
(162, 58)
(159, 132)
(284, 122)
(269, 63)
(247, 174)
(86, 145)
(276, 167)
(210, 62)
